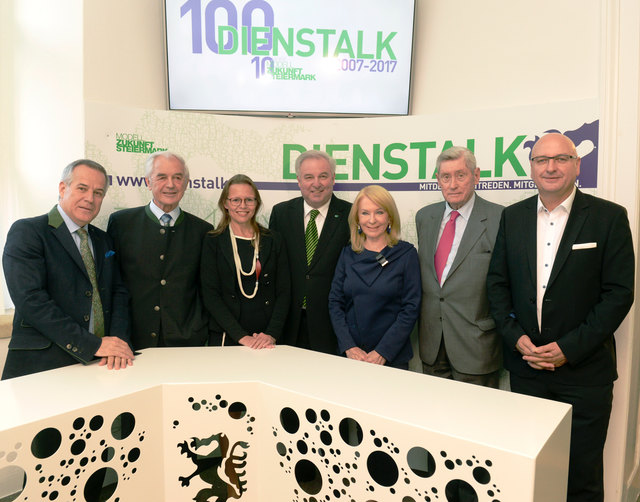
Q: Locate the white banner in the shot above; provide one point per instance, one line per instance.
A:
(396, 152)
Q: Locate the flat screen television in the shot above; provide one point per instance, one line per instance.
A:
(290, 57)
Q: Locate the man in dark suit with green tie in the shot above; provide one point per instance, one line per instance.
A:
(315, 229)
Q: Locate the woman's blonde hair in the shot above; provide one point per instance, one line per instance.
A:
(381, 197)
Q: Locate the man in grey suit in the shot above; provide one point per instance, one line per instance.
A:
(458, 338)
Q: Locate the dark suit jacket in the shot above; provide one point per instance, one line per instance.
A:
(374, 307)
(51, 291)
(314, 280)
(150, 254)
(459, 310)
(221, 292)
(589, 293)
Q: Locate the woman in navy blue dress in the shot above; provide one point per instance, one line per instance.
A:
(375, 295)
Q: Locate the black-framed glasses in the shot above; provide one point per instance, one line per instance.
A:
(543, 160)
(248, 201)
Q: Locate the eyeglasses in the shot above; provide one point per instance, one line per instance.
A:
(459, 176)
(543, 160)
(249, 201)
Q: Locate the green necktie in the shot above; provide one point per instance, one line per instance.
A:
(311, 235)
(310, 241)
(96, 304)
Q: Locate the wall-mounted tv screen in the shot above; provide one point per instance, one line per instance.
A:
(298, 57)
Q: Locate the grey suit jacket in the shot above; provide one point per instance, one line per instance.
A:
(458, 312)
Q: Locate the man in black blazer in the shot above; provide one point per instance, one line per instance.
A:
(560, 283)
(308, 324)
(159, 247)
(57, 321)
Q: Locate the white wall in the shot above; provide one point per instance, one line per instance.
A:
(41, 98)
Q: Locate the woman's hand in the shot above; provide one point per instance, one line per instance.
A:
(375, 358)
(356, 353)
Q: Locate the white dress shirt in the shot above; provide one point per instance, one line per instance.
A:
(551, 225)
(159, 212)
(322, 216)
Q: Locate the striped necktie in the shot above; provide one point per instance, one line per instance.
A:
(96, 303)
(311, 235)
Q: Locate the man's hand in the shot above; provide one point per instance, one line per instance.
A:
(115, 363)
(115, 353)
(258, 341)
(546, 357)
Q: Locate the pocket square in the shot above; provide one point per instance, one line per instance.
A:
(585, 245)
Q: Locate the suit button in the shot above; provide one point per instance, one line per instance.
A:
(163, 282)
(162, 231)
(86, 318)
(68, 346)
(532, 301)
(156, 308)
(266, 275)
(266, 302)
(153, 335)
(87, 293)
(75, 349)
(441, 299)
(161, 257)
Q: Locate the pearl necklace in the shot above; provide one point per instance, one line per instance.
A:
(238, 263)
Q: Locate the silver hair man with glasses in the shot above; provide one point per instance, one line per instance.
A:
(560, 282)
(457, 335)
(63, 277)
(315, 229)
(159, 246)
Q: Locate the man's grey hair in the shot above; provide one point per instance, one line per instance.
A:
(454, 153)
(67, 172)
(148, 164)
(315, 154)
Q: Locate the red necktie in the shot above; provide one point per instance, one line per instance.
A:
(444, 246)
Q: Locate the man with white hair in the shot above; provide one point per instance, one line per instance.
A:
(159, 246)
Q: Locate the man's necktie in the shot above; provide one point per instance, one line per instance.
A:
(165, 219)
(96, 303)
(311, 235)
(310, 241)
(444, 246)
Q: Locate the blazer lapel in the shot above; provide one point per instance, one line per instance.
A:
(295, 215)
(99, 249)
(265, 250)
(331, 223)
(433, 229)
(577, 217)
(530, 237)
(226, 249)
(61, 233)
(473, 231)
